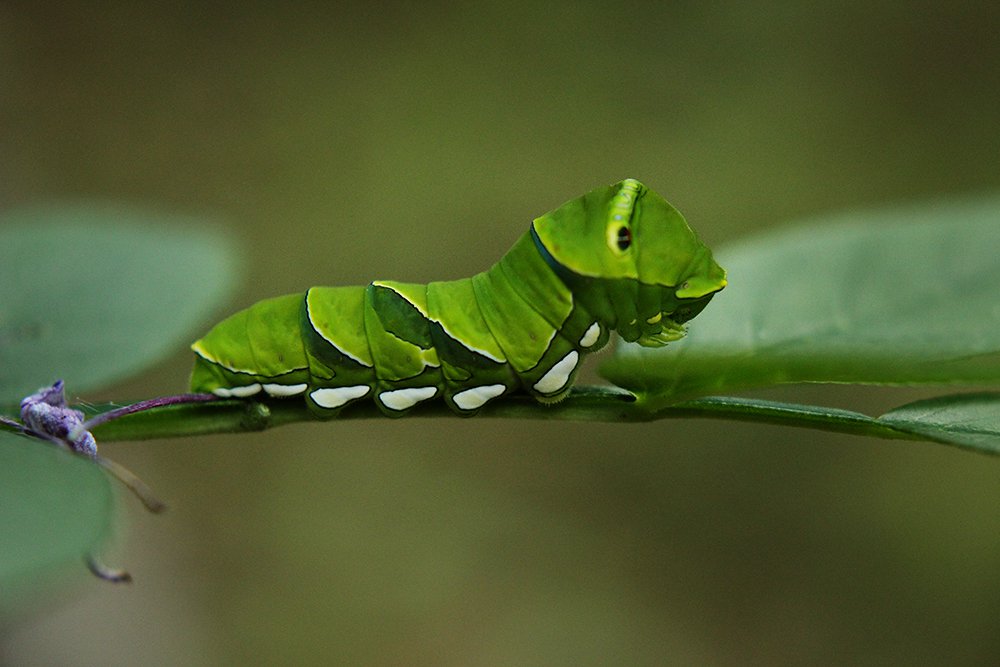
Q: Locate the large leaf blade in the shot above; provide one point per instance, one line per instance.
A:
(967, 420)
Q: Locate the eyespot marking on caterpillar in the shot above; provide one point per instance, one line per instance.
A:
(624, 238)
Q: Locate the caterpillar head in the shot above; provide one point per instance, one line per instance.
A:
(632, 260)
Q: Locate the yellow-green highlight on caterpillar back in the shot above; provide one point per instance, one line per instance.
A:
(619, 258)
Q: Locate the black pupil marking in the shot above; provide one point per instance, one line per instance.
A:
(624, 238)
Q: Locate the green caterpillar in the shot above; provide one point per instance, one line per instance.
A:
(619, 258)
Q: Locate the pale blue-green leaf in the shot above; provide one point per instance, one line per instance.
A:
(56, 508)
(91, 293)
(901, 295)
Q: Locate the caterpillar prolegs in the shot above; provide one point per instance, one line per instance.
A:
(619, 258)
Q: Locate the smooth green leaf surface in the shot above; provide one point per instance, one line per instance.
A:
(55, 509)
(903, 295)
(967, 420)
(91, 293)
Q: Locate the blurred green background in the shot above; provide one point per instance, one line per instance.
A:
(415, 141)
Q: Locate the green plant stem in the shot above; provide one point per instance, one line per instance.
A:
(596, 404)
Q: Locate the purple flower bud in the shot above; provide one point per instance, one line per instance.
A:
(47, 413)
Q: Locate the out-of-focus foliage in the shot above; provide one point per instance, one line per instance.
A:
(87, 294)
(92, 293)
(55, 510)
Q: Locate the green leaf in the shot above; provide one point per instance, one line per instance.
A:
(905, 295)
(56, 508)
(93, 293)
(966, 420)
(970, 421)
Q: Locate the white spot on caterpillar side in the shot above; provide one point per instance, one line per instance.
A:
(591, 335)
(237, 392)
(401, 399)
(334, 397)
(557, 376)
(282, 390)
(476, 397)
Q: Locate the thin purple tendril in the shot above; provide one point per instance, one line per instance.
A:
(148, 404)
